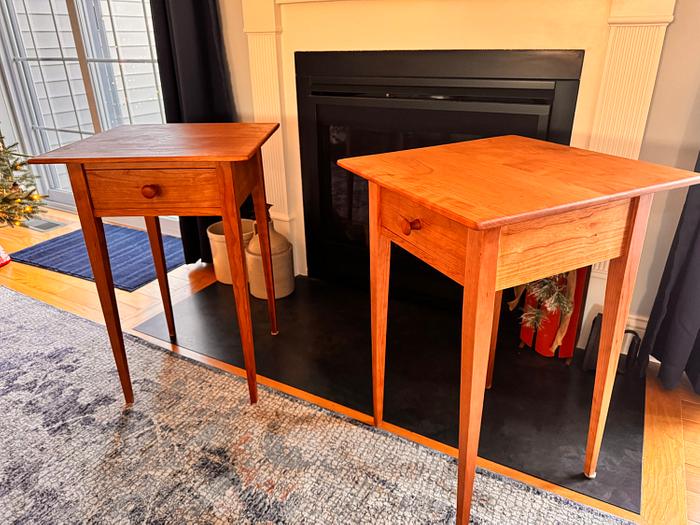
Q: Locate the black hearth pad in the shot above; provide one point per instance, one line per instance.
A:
(535, 416)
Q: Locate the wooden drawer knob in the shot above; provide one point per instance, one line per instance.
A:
(407, 226)
(150, 190)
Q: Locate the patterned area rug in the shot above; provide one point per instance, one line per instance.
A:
(192, 449)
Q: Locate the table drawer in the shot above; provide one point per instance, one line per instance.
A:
(154, 191)
(430, 236)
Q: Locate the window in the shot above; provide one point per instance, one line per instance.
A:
(72, 67)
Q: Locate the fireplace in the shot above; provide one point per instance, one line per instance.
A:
(358, 103)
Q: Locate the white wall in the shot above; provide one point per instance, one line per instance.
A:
(672, 137)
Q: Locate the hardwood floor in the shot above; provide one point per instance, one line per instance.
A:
(690, 414)
(671, 463)
(78, 295)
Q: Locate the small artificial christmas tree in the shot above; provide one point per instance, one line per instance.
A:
(19, 199)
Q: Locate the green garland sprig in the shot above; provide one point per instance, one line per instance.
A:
(551, 296)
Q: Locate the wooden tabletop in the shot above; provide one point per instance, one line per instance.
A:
(501, 180)
(165, 142)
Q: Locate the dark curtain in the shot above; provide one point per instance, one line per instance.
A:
(673, 332)
(195, 83)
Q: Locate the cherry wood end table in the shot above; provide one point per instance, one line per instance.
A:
(499, 212)
(170, 169)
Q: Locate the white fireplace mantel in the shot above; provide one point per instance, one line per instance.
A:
(622, 40)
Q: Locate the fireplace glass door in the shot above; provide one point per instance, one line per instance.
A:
(356, 113)
(349, 131)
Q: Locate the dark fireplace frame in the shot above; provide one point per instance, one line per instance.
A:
(416, 80)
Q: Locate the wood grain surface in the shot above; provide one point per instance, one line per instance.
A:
(492, 182)
(163, 142)
(619, 288)
(477, 317)
(545, 246)
(380, 255)
(179, 191)
(440, 241)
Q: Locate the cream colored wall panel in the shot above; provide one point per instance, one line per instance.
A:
(622, 40)
(628, 82)
(265, 85)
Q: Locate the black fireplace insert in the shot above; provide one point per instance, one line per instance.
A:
(365, 102)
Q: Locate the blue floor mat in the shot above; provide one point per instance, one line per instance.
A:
(129, 255)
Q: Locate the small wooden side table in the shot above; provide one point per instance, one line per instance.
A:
(499, 212)
(170, 169)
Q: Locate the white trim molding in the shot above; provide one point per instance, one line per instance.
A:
(631, 65)
(264, 80)
(640, 20)
(638, 323)
(599, 270)
(637, 31)
(261, 23)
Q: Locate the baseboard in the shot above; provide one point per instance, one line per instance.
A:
(60, 206)
(638, 323)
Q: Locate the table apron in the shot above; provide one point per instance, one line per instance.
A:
(142, 165)
(528, 250)
(181, 191)
(158, 211)
(439, 241)
(559, 243)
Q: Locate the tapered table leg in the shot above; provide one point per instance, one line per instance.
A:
(233, 234)
(494, 337)
(622, 273)
(156, 240)
(94, 234)
(477, 318)
(260, 205)
(380, 258)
